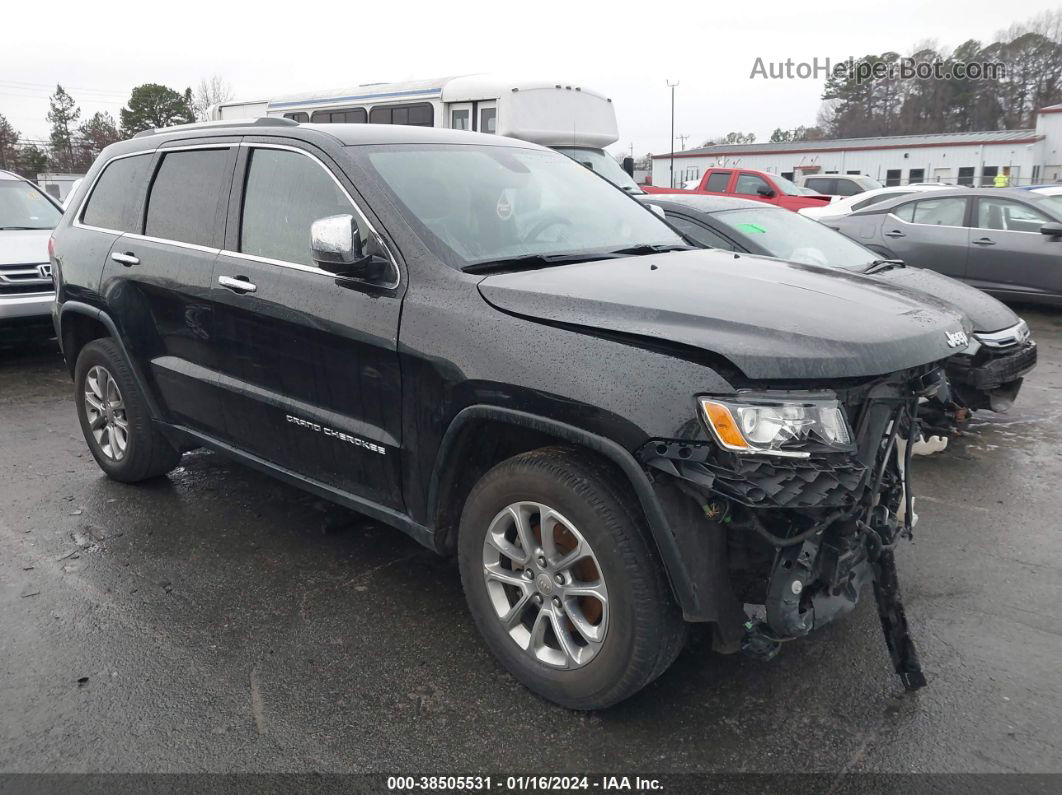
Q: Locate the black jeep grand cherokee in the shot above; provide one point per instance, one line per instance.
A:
(489, 347)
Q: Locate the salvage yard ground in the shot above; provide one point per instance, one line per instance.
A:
(219, 621)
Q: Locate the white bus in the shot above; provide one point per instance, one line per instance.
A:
(572, 119)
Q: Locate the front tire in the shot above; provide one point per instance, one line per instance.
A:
(581, 613)
(114, 416)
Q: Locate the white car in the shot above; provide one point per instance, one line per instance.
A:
(27, 217)
(852, 203)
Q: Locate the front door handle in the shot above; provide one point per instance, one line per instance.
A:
(239, 284)
(128, 258)
(984, 241)
(895, 233)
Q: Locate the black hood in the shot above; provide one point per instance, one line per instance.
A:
(771, 319)
(985, 312)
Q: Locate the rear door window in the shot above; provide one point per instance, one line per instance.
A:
(718, 181)
(188, 189)
(940, 212)
(115, 200)
(822, 185)
(848, 187)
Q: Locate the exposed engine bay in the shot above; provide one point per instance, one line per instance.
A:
(802, 537)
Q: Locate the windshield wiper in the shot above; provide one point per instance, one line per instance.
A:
(651, 248)
(530, 261)
(879, 265)
(22, 228)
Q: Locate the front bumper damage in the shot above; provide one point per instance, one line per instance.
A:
(785, 546)
(986, 377)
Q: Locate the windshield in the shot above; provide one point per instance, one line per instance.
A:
(22, 206)
(795, 238)
(603, 163)
(791, 188)
(480, 204)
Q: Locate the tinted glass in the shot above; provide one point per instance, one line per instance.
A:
(299, 117)
(847, 187)
(718, 181)
(750, 185)
(940, 212)
(421, 114)
(347, 116)
(184, 199)
(701, 235)
(488, 120)
(793, 237)
(484, 203)
(1010, 216)
(821, 184)
(285, 193)
(115, 199)
(22, 206)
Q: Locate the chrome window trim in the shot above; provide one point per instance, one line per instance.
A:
(362, 219)
(160, 148)
(92, 189)
(223, 251)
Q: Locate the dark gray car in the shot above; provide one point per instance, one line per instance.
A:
(1005, 241)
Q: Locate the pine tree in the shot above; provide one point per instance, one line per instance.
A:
(63, 115)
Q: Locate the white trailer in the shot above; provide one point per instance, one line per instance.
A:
(571, 118)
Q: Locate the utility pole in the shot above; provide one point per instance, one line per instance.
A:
(683, 139)
(672, 87)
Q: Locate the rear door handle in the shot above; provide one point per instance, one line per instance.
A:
(895, 233)
(984, 241)
(239, 284)
(128, 258)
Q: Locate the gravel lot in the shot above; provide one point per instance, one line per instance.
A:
(218, 621)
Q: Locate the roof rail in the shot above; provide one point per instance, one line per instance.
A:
(261, 121)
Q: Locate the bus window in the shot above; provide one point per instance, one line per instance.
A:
(420, 114)
(342, 116)
(301, 118)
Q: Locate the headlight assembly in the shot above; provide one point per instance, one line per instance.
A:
(790, 426)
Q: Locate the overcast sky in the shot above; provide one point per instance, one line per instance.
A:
(100, 50)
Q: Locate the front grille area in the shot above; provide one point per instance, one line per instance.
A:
(25, 279)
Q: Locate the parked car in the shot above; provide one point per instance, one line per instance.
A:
(479, 342)
(864, 199)
(749, 184)
(986, 375)
(1005, 241)
(27, 217)
(838, 184)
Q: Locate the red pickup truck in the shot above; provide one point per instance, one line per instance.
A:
(750, 184)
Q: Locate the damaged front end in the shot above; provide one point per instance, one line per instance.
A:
(987, 375)
(790, 502)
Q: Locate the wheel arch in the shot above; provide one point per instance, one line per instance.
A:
(451, 482)
(80, 324)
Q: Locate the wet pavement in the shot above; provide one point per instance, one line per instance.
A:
(218, 621)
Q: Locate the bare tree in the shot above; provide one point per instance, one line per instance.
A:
(211, 91)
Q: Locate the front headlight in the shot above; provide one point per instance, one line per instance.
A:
(789, 426)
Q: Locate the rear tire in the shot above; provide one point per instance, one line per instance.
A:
(615, 592)
(115, 418)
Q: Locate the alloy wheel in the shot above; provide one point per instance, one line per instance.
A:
(545, 585)
(105, 412)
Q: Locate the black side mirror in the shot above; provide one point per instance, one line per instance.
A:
(765, 192)
(1052, 228)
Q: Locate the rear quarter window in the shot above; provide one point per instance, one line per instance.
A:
(717, 182)
(115, 200)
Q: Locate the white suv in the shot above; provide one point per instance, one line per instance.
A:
(27, 217)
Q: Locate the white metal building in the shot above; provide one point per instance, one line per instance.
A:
(1031, 156)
